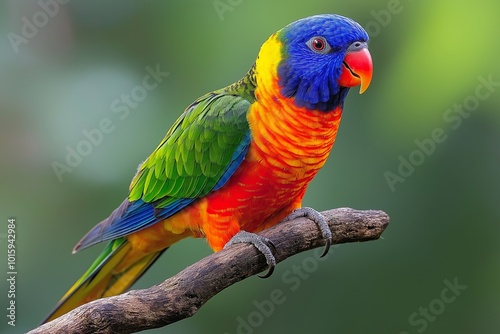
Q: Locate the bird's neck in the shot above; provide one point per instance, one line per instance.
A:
(259, 74)
(245, 87)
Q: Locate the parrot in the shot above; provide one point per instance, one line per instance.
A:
(238, 160)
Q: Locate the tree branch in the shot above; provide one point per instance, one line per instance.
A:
(182, 295)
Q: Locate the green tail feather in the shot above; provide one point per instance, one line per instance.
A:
(101, 280)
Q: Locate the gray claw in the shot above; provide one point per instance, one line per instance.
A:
(319, 219)
(261, 243)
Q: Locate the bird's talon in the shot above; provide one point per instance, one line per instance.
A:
(269, 272)
(320, 221)
(271, 243)
(328, 243)
(264, 245)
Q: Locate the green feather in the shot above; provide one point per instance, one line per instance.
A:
(198, 147)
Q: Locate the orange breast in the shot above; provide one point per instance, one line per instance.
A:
(289, 146)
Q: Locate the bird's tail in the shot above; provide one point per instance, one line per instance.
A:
(113, 272)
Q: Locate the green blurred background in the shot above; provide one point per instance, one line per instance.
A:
(429, 56)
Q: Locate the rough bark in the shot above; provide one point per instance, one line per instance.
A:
(182, 295)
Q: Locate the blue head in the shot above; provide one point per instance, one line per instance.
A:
(323, 56)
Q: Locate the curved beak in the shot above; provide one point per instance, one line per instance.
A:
(357, 69)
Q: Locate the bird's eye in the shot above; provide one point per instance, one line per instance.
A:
(319, 45)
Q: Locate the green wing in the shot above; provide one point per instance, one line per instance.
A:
(197, 152)
(198, 155)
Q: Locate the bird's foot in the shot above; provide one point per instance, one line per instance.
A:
(319, 219)
(262, 244)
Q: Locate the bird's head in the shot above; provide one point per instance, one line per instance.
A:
(320, 58)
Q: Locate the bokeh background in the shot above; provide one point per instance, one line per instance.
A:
(429, 57)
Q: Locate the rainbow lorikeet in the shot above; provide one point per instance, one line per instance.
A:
(238, 159)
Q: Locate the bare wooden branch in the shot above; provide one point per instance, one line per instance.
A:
(182, 295)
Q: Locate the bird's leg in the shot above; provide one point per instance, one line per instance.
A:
(262, 244)
(319, 219)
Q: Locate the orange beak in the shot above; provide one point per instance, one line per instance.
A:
(357, 69)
